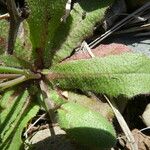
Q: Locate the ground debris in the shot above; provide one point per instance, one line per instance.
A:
(142, 140)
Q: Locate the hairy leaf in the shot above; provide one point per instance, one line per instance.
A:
(92, 103)
(43, 22)
(9, 115)
(4, 69)
(31, 111)
(13, 61)
(23, 45)
(86, 126)
(4, 99)
(127, 74)
(56, 98)
(14, 118)
(3, 35)
(78, 26)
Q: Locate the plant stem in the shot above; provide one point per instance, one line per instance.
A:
(25, 72)
(9, 76)
(12, 70)
(11, 83)
(45, 71)
(18, 80)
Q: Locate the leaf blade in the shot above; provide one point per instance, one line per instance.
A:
(15, 117)
(79, 26)
(43, 23)
(127, 74)
(80, 123)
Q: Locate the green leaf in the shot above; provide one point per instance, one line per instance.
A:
(43, 22)
(23, 45)
(13, 61)
(49, 34)
(91, 103)
(4, 25)
(127, 74)
(14, 118)
(31, 111)
(55, 97)
(4, 69)
(78, 26)
(4, 99)
(85, 126)
(9, 115)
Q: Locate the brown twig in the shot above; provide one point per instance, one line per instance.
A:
(32, 125)
(15, 21)
(16, 17)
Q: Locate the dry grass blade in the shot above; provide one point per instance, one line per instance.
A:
(4, 16)
(135, 29)
(124, 126)
(147, 128)
(142, 34)
(119, 25)
(32, 125)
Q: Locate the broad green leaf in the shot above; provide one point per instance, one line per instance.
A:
(85, 126)
(78, 26)
(14, 118)
(127, 74)
(44, 19)
(91, 103)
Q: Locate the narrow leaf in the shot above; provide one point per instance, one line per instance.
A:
(9, 115)
(16, 141)
(14, 118)
(13, 70)
(13, 82)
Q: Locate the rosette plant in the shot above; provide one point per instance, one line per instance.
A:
(37, 67)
